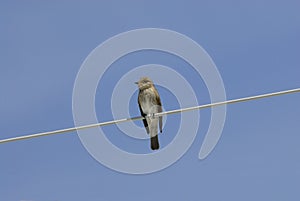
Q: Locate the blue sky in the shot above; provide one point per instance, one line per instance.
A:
(255, 46)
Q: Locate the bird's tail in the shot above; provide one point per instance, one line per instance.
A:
(154, 142)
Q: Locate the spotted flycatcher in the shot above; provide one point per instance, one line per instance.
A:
(149, 104)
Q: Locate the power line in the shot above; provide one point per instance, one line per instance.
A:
(157, 114)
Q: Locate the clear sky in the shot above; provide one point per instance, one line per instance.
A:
(254, 44)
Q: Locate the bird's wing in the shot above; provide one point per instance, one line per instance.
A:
(144, 120)
(159, 110)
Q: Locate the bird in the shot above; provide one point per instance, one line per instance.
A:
(149, 104)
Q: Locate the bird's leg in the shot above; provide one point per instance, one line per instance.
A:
(151, 115)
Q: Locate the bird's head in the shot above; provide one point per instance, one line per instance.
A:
(144, 83)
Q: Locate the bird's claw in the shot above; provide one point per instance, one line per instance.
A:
(152, 115)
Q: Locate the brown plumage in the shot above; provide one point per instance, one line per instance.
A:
(149, 103)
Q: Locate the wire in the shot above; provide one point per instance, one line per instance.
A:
(157, 114)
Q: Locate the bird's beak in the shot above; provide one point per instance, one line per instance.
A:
(136, 82)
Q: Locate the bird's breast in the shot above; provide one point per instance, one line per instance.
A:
(147, 99)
